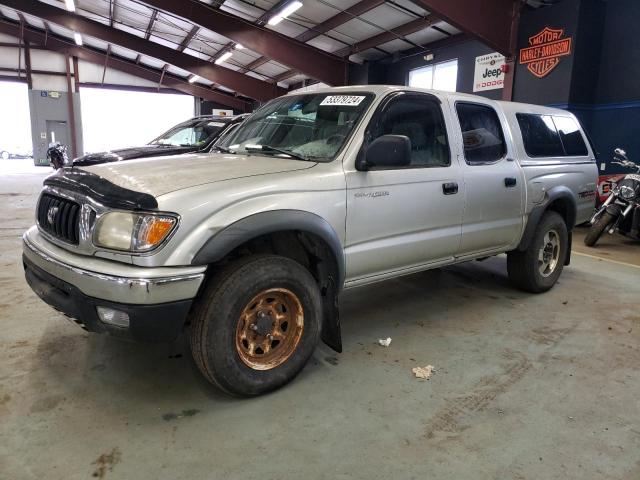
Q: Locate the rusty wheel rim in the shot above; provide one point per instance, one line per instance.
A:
(269, 329)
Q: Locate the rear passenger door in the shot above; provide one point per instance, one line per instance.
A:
(404, 217)
(494, 183)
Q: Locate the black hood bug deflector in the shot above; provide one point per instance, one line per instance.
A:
(101, 190)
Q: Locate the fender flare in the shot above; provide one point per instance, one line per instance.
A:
(234, 235)
(559, 192)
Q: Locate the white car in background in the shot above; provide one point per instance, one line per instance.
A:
(15, 151)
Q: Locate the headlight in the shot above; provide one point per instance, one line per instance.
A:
(627, 192)
(133, 232)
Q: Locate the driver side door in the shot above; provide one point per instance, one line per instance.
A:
(404, 218)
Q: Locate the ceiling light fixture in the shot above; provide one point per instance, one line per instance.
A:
(223, 57)
(287, 10)
(193, 78)
(70, 4)
(78, 38)
(239, 46)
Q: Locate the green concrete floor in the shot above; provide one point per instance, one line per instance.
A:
(525, 386)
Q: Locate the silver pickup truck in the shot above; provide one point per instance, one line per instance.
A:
(248, 249)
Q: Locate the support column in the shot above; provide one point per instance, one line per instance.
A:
(72, 113)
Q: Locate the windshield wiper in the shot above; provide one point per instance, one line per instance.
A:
(269, 148)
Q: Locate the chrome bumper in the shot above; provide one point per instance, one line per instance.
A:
(113, 281)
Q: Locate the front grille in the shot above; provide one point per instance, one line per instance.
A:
(59, 217)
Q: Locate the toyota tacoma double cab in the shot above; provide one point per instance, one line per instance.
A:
(247, 249)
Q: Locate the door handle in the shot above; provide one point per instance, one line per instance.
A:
(450, 188)
(510, 182)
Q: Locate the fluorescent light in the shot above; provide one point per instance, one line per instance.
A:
(239, 46)
(285, 12)
(70, 4)
(193, 78)
(78, 38)
(223, 57)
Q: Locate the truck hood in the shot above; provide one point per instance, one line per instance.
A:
(161, 175)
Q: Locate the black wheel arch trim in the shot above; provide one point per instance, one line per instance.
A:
(559, 192)
(263, 223)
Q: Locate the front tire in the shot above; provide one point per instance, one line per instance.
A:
(597, 229)
(538, 268)
(256, 325)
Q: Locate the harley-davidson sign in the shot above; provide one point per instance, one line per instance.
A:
(545, 51)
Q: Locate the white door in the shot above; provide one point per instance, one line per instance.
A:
(403, 217)
(493, 181)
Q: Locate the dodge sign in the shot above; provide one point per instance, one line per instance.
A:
(489, 72)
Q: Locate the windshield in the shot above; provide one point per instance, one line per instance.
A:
(193, 134)
(306, 127)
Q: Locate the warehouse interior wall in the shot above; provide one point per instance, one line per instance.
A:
(597, 81)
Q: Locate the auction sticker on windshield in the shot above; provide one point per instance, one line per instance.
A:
(343, 100)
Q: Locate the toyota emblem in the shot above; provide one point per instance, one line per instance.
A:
(51, 215)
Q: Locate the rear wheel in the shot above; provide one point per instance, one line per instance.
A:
(597, 229)
(256, 325)
(538, 268)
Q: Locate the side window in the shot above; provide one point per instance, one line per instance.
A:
(539, 135)
(481, 133)
(421, 120)
(571, 137)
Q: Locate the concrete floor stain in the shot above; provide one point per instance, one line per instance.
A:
(167, 417)
(105, 462)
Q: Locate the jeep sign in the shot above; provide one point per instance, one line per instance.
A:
(489, 74)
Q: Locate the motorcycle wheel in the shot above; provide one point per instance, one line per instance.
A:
(598, 228)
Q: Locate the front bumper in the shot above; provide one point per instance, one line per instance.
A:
(157, 300)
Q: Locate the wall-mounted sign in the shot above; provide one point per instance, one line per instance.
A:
(545, 50)
(54, 94)
(44, 93)
(489, 72)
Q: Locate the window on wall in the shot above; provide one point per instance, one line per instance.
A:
(441, 76)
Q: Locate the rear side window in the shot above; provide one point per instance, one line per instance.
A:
(571, 137)
(539, 134)
(481, 133)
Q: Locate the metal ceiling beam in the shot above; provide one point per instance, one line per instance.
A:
(343, 17)
(245, 85)
(149, 29)
(384, 37)
(288, 51)
(67, 47)
(285, 75)
(186, 40)
(493, 22)
(112, 11)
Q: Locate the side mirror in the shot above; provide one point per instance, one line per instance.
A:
(386, 151)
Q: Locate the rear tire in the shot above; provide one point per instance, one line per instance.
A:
(598, 228)
(256, 325)
(538, 268)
